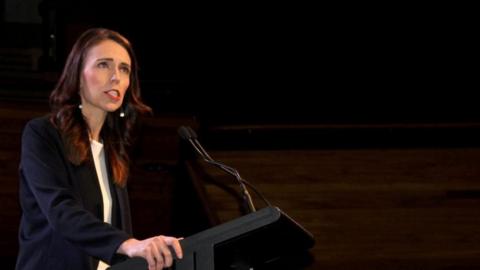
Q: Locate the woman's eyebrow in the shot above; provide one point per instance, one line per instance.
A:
(111, 60)
(105, 59)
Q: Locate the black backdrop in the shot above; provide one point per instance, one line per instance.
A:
(294, 63)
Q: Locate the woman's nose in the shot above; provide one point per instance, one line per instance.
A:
(115, 77)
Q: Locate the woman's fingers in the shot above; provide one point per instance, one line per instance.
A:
(150, 257)
(163, 250)
(160, 259)
(178, 249)
(155, 250)
(175, 243)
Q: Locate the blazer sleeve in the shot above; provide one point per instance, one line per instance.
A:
(45, 171)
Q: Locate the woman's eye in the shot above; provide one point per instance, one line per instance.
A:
(125, 70)
(102, 65)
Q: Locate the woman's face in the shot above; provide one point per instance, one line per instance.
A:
(105, 78)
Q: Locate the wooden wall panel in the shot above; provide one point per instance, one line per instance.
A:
(368, 208)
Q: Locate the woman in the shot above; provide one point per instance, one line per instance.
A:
(74, 165)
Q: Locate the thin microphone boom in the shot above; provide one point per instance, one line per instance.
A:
(193, 137)
(189, 134)
(206, 157)
(236, 174)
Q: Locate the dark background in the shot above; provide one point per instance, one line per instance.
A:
(272, 63)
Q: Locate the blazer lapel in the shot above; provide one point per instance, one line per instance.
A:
(87, 183)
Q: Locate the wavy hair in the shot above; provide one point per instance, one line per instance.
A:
(69, 120)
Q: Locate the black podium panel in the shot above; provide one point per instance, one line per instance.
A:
(255, 240)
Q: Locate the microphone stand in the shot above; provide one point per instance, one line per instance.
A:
(206, 157)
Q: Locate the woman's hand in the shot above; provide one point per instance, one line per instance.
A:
(155, 250)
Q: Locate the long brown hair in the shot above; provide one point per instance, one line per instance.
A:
(67, 117)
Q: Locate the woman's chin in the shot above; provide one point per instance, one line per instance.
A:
(112, 109)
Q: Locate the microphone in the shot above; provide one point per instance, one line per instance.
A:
(188, 134)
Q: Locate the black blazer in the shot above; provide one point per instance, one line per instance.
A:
(62, 211)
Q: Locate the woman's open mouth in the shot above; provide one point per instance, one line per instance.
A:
(113, 94)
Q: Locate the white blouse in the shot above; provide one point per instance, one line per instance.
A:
(101, 168)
